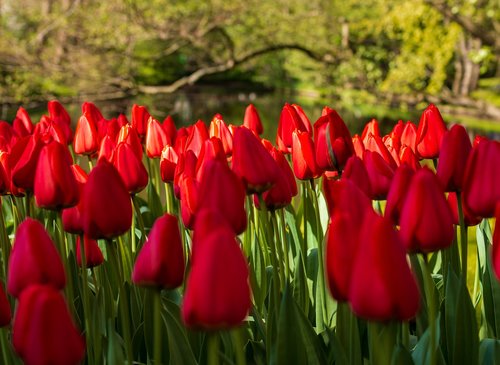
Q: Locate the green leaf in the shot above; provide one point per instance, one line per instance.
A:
(401, 356)
(421, 354)
(347, 333)
(489, 352)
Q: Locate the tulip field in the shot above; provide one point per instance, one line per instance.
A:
(134, 241)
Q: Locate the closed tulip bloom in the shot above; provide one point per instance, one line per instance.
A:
(43, 331)
(382, 286)
(221, 189)
(304, 157)
(196, 137)
(5, 311)
(60, 116)
(188, 195)
(333, 142)
(186, 166)
(370, 128)
(455, 150)
(408, 157)
(426, 221)
(72, 218)
(398, 128)
(93, 254)
(303, 117)
(359, 147)
(55, 183)
(168, 126)
(355, 171)
(397, 192)
(393, 145)
(482, 179)
(106, 202)
(168, 162)
(86, 141)
(289, 122)
(469, 218)
(220, 130)
(252, 120)
(218, 291)
(376, 144)
(139, 121)
(22, 123)
(212, 149)
(284, 165)
(5, 161)
(108, 146)
(496, 243)
(23, 160)
(33, 259)
(156, 139)
(343, 196)
(252, 162)
(431, 130)
(409, 136)
(131, 170)
(160, 263)
(380, 174)
(129, 136)
(8, 136)
(92, 111)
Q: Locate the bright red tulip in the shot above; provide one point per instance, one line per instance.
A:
(160, 263)
(86, 141)
(212, 149)
(376, 144)
(426, 221)
(22, 123)
(217, 293)
(482, 179)
(43, 331)
(156, 139)
(131, 170)
(189, 195)
(431, 130)
(304, 157)
(252, 120)
(370, 128)
(93, 254)
(106, 201)
(61, 118)
(343, 196)
(359, 147)
(289, 122)
(409, 136)
(186, 166)
(408, 157)
(219, 129)
(168, 162)
(382, 286)
(23, 160)
(108, 146)
(196, 137)
(380, 174)
(252, 162)
(55, 184)
(129, 136)
(303, 117)
(168, 126)
(455, 150)
(33, 259)
(139, 121)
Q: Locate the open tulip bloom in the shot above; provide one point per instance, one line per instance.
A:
(147, 242)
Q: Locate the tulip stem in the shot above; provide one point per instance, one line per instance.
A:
(157, 326)
(86, 308)
(239, 347)
(213, 348)
(28, 204)
(285, 243)
(278, 248)
(429, 289)
(64, 258)
(4, 345)
(463, 237)
(139, 217)
(5, 243)
(169, 198)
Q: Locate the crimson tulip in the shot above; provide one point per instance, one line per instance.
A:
(156, 138)
(168, 126)
(430, 132)
(93, 254)
(23, 161)
(60, 116)
(131, 169)
(22, 123)
(304, 157)
(168, 162)
(129, 136)
(370, 128)
(398, 192)
(252, 120)
(86, 141)
(196, 137)
(219, 129)
(139, 121)
(409, 136)
(355, 171)
(408, 157)
(289, 122)
(380, 174)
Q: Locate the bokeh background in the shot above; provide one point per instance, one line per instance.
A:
(191, 59)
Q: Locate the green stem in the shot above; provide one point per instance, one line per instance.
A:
(239, 347)
(61, 245)
(429, 290)
(157, 326)
(279, 248)
(169, 193)
(286, 247)
(304, 220)
(5, 346)
(6, 246)
(133, 237)
(27, 200)
(463, 237)
(138, 216)
(213, 348)
(90, 163)
(86, 307)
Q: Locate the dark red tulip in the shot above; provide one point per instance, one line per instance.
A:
(186, 166)
(156, 139)
(409, 136)
(289, 122)
(168, 162)
(378, 290)
(160, 263)
(217, 293)
(139, 121)
(304, 156)
(380, 174)
(61, 117)
(496, 243)
(482, 179)
(106, 202)
(212, 149)
(93, 254)
(55, 184)
(252, 162)
(23, 160)
(5, 311)
(196, 137)
(431, 130)
(344, 196)
(478, 139)
(281, 193)
(131, 170)
(426, 221)
(333, 142)
(355, 171)
(33, 259)
(168, 126)
(469, 218)
(72, 217)
(398, 191)
(219, 129)
(86, 141)
(252, 120)
(455, 150)
(129, 136)
(282, 162)
(43, 331)
(188, 195)
(22, 123)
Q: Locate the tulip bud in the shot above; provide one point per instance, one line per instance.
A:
(61, 118)
(106, 201)
(160, 263)
(289, 122)
(189, 195)
(426, 221)
(43, 331)
(93, 254)
(168, 162)
(380, 174)
(23, 160)
(371, 128)
(196, 137)
(305, 123)
(86, 141)
(219, 129)
(129, 136)
(359, 147)
(33, 259)
(408, 157)
(131, 170)
(156, 138)
(140, 117)
(398, 192)
(409, 136)
(252, 120)
(431, 130)
(304, 157)
(217, 293)
(355, 171)
(168, 126)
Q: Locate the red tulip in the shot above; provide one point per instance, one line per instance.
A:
(222, 190)
(398, 128)
(218, 291)
(252, 162)
(160, 263)
(469, 218)
(108, 146)
(343, 196)
(333, 142)
(8, 136)
(7, 178)
(131, 170)
(129, 136)
(72, 217)
(92, 111)
(380, 174)
(359, 147)
(55, 183)
(168, 162)
(304, 157)
(43, 331)
(22, 123)
(107, 207)
(168, 126)
(212, 149)
(23, 160)
(93, 254)
(398, 192)
(289, 122)
(285, 188)
(33, 259)
(382, 286)
(198, 135)
(482, 179)
(139, 121)
(189, 195)
(426, 221)
(431, 130)
(252, 120)
(186, 166)
(5, 312)
(376, 144)
(355, 171)
(303, 117)
(393, 145)
(86, 141)
(219, 129)
(408, 157)
(61, 118)
(370, 128)
(409, 136)
(455, 150)
(156, 139)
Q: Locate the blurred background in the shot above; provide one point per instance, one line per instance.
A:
(376, 58)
